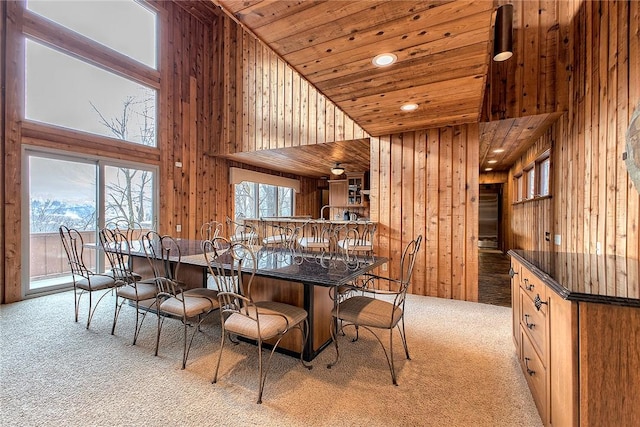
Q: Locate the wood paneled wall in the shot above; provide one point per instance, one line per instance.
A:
(532, 81)
(532, 218)
(3, 84)
(594, 202)
(426, 182)
(269, 105)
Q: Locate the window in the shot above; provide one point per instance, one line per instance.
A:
(135, 36)
(534, 181)
(517, 184)
(543, 177)
(65, 91)
(530, 182)
(254, 199)
(83, 194)
(71, 50)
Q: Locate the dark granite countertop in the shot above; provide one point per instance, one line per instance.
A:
(603, 279)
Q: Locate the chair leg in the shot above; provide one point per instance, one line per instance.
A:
(260, 379)
(90, 310)
(93, 310)
(187, 348)
(118, 307)
(76, 300)
(334, 325)
(305, 335)
(215, 375)
(184, 346)
(136, 332)
(391, 364)
(160, 323)
(404, 339)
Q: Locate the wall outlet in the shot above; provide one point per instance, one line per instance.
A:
(557, 239)
(384, 267)
(598, 248)
(178, 228)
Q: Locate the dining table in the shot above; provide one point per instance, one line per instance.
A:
(305, 279)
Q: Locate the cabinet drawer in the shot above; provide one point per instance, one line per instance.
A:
(536, 375)
(534, 323)
(532, 285)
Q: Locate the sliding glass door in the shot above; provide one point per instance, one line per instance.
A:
(84, 194)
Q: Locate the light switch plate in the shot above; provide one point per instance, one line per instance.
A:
(557, 239)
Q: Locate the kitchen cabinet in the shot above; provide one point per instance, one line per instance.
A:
(578, 346)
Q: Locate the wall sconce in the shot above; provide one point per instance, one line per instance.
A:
(337, 169)
(503, 33)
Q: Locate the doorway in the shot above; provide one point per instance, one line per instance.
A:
(494, 283)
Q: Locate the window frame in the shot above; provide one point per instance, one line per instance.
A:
(528, 182)
(256, 201)
(66, 41)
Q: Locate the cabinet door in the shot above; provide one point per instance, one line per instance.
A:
(337, 197)
(354, 190)
(514, 272)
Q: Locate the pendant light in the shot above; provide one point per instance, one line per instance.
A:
(337, 169)
(503, 33)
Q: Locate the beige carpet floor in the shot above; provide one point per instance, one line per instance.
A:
(54, 372)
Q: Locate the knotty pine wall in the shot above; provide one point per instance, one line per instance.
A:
(268, 105)
(531, 81)
(3, 167)
(593, 198)
(532, 218)
(426, 182)
(435, 172)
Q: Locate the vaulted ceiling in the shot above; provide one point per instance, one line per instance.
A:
(443, 49)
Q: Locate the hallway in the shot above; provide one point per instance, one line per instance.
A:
(494, 283)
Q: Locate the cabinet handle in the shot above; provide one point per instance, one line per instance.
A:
(526, 322)
(512, 272)
(531, 372)
(538, 302)
(528, 286)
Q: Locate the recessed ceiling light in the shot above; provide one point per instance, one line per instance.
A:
(492, 161)
(499, 150)
(384, 59)
(488, 169)
(409, 107)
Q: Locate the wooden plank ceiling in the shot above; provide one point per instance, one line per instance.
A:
(312, 160)
(442, 49)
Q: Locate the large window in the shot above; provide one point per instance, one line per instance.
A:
(70, 80)
(254, 200)
(124, 26)
(84, 194)
(65, 91)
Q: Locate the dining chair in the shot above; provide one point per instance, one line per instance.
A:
(210, 230)
(240, 315)
(129, 285)
(190, 306)
(356, 238)
(280, 235)
(242, 232)
(133, 232)
(84, 280)
(368, 311)
(316, 236)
